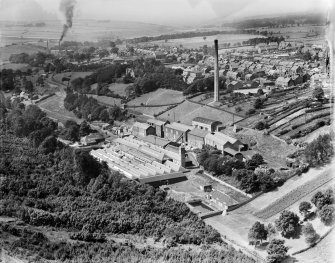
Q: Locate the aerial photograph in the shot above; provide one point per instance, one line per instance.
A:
(167, 131)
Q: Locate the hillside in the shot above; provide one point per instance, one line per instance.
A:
(67, 207)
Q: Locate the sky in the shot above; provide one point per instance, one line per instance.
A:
(166, 12)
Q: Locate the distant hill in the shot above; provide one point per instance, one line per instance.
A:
(278, 21)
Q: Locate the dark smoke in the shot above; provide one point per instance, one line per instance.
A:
(67, 7)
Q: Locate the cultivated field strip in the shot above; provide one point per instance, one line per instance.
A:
(294, 196)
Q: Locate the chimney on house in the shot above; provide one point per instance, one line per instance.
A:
(216, 71)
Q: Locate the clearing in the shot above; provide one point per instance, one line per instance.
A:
(54, 108)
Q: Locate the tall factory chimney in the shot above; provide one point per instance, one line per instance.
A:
(216, 71)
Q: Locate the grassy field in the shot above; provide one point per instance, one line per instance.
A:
(187, 111)
(6, 51)
(54, 108)
(109, 101)
(119, 88)
(71, 75)
(158, 97)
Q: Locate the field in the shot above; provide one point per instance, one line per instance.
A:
(6, 51)
(196, 42)
(71, 75)
(54, 108)
(14, 66)
(108, 101)
(187, 111)
(119, 88)
(158, 97)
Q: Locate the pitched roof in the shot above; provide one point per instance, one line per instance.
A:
(156, 122)
(221, 138)
(203, 120)
(141, 125)
(179, 126)
(198, 132)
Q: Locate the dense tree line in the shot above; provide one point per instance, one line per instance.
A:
(262, 40)
(88, 108)
(205, 84)
(35, 60)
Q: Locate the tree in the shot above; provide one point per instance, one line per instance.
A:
(84, 129)
(309, 232)
(288, 224)
(257, 159)
(276, 251)
(261, 125)
(321, 199)
(49, 144)
(318, 93)
(327, 214)
(304, 208)
(257, 232)
(29, 87)
(104, 115)
(271, 231)
(258, 103)
(260, 92)
(114, 50)
(320, 150)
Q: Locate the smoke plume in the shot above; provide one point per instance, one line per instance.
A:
(67, 7)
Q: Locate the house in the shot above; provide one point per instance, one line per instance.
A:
(233, 75)
(158, 125)
(205, 124)
(296, 69)
(284, 82)
(224, 143)
(91, 139)
(297, 79)
(196, 138)
(177, 132)
(143, 129)
(235, 85)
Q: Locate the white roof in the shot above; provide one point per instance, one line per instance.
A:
(221, 138)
